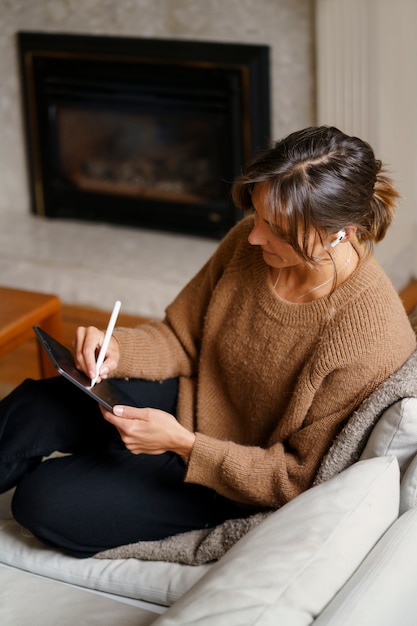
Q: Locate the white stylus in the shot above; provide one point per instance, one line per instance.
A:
(106, 340)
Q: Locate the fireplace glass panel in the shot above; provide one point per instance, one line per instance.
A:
(158, 156)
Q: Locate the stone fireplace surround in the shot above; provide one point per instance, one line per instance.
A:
(95, 265)
(141, 131)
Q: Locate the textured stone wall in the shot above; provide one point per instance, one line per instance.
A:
(285, 25)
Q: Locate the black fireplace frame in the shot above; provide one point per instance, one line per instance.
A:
(249, 65)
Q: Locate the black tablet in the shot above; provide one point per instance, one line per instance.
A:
(104, 392)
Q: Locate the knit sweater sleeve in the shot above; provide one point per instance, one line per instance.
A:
(271, 475)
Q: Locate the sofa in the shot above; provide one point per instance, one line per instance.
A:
(342, 553)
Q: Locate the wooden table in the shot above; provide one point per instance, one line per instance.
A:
(19, 311)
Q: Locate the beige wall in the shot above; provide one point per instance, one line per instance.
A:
(396, 118)
(285, 25)
(367, 85)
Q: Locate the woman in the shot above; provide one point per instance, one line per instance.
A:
(263, 357)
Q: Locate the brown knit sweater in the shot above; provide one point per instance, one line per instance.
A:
(267, 384)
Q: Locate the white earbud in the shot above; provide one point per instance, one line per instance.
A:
(340, 235)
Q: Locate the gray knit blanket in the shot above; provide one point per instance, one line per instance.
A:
(203, 546)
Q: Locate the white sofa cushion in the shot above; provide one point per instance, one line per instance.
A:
(395, 433)
(383, 589)
(26, 599)
(289, 567)
(156, 582)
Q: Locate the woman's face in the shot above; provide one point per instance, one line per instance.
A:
(277, 252)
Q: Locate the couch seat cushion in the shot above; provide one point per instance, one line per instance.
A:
(27, 599)
(157, 582)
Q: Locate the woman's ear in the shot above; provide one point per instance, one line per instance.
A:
(350, 233)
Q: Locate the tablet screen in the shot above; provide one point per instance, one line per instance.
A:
(104, 392)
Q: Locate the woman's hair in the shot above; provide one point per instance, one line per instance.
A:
(319, 178)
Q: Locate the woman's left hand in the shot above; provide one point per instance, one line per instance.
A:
(150, 431)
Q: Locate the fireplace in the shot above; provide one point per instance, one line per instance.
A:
(141, 132)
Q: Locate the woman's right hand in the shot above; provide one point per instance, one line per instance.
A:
(85, 348)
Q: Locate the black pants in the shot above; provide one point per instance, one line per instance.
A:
(100, 495)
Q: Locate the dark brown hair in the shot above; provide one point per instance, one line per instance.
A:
(320, 178)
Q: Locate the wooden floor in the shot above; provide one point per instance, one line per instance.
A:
(23, 363)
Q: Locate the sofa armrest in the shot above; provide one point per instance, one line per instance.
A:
(287, 569)
(383, 589)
